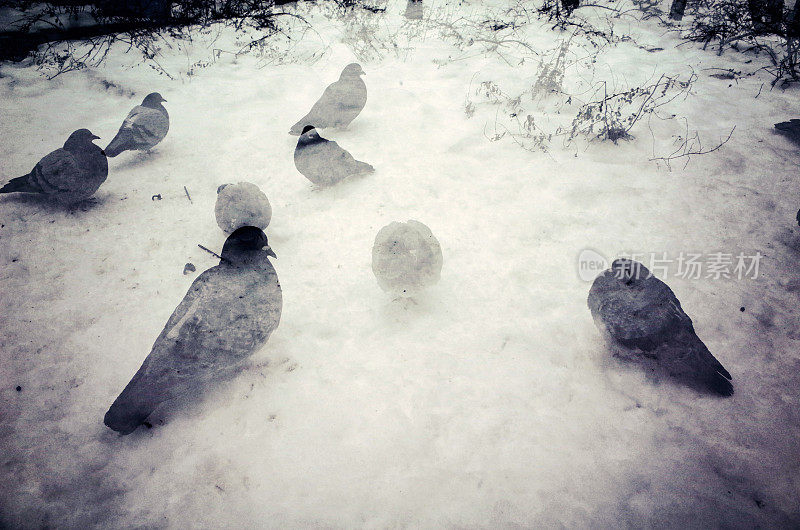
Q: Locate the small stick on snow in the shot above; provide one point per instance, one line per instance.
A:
(188, 196)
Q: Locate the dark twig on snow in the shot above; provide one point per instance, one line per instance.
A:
(692, 146)
(212, 253)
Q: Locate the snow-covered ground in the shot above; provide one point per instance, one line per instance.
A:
(492, 401)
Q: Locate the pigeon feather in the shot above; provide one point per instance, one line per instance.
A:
(69, 174)
(339, 105)
(640, 312)
(323, 162)
(228, 314)
(144, 127)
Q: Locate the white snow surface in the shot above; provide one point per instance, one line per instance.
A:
(489, 402)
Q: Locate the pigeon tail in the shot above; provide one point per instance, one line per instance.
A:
(133, 406)
(720, 385)
(125, 418)
(363, 167)
(699, 364)
(790, 129)
(791, 125)
(123, 141)
(22, 184)
(297, 128)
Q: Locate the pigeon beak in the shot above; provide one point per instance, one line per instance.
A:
(163, 100)
(270, 252)
(95, 137)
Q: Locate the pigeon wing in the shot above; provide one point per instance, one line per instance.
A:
(225, 316)
(57, 172)
(142, 129)
(640, 317)
(159, 378)
(152, 125)
(329, 109)
(342, 163)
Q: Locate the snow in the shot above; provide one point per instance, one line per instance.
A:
(491, 401)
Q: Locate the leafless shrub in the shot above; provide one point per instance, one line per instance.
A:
(688, 145)
(730, 24)
(62, 38)
(550, 76)
(606, 114)
(613, 116)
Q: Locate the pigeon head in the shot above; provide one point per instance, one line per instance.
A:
(153, 100)
(79, 139)
(628, 271)
(309, 136)
(245, 242)
(352, 70)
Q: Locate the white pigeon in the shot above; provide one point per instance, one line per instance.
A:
(241, 204)
(641, 313)
(227, 315)
(323, 162)
(406, 258)
(339, 105)
(69, 175)
(144, 127)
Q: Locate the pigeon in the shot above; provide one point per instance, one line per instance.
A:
(69, 175)
(640, 312)
(406, 258)
(323, 162)
(790, 129)
(228, 314)
(146, 125)
(241, 204)
(414, 10)
(339, 105)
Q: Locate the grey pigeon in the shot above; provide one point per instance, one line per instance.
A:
(144, 127)
(790, 129)
(406, 258)
(640, 312)
(241, 204)
(69, 175)
(323, 162)
(227, 315)
(414, 10)
(339, 105)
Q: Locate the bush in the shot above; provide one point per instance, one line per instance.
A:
(758, 26)
(65, 35)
